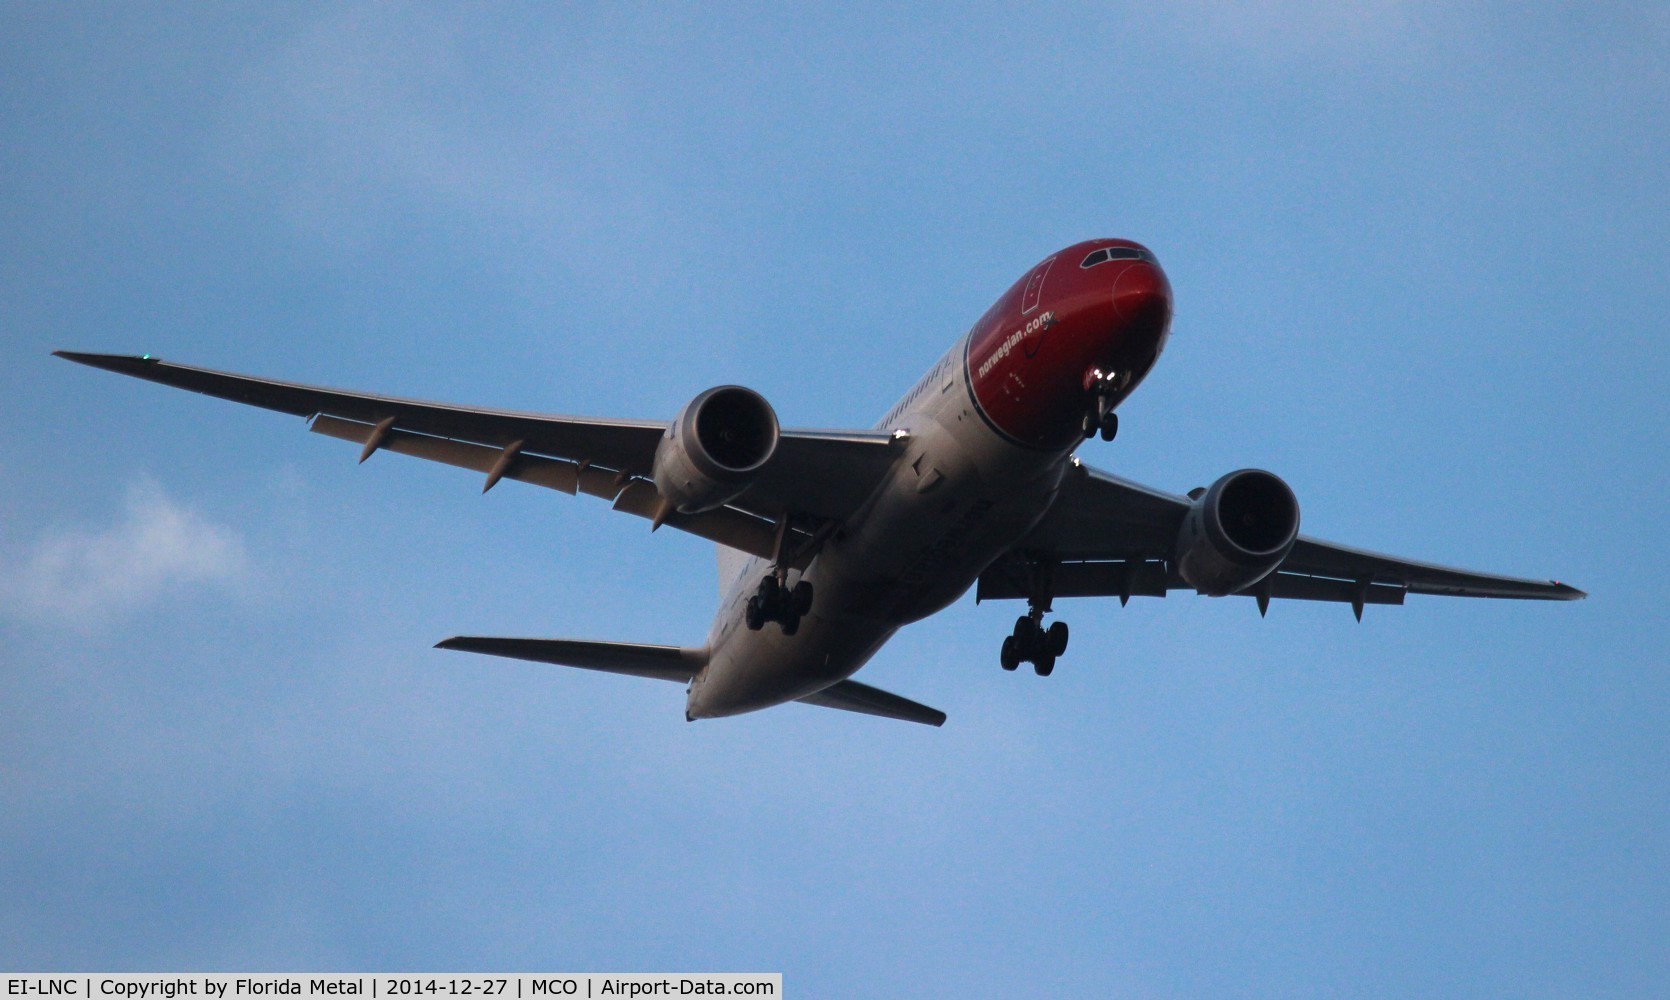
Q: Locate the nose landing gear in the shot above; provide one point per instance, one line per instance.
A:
(1099, 417)
(1107, 423)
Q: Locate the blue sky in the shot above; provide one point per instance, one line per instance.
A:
(1419, 259)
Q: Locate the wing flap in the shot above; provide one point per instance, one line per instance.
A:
(551, 473)
(1127, 579)
(1294, 587)
(1005, 580)
(851, 696)
(725, 525)
(1009, 580)
(636, 659)
(1313, 557)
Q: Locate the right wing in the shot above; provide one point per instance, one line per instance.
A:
(817, 475)
(1109, 536)
(852, 696)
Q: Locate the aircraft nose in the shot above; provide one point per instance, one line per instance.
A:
(1142, 298)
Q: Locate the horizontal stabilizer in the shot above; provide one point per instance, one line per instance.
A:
(664, 663)
(851, 696)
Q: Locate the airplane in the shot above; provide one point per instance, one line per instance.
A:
(830, 541)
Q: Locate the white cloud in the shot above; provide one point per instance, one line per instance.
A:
(81, 577)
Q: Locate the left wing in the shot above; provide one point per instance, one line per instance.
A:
(819, 475)
(1110, 537)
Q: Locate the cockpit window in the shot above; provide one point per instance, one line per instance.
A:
(1106, 254)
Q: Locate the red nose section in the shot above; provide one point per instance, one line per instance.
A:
(1142, 298)
(1102, 307)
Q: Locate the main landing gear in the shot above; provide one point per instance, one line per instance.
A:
(776, 602)
(1031, 642)
(1099, 417)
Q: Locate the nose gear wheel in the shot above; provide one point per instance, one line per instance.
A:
(1099, 416)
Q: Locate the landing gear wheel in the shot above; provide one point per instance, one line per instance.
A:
(1025, 627)
(773, 602)
(1110, 425)
(1044, 665)
(1057, 639)
(1010, 657)
(1088, 425)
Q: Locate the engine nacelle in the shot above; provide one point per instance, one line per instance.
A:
(1237, 532)
(714, 448)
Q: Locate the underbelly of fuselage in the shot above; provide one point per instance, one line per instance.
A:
(956, 501)
(919, 553)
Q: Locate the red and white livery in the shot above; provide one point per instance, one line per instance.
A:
(830, 541)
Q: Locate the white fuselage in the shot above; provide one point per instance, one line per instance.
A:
(957, 498)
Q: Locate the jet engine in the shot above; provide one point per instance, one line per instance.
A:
(714, 448)
(1238, 531)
